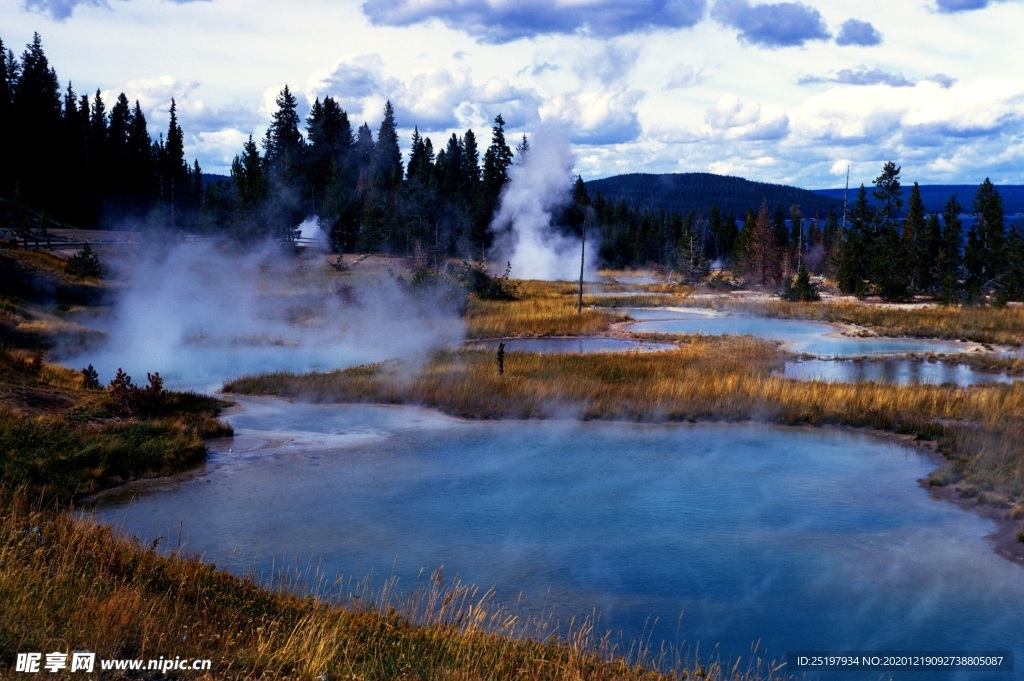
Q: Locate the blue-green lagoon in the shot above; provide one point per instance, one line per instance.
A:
(713, 535)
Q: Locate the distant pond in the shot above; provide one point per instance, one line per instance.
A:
(891, 371)
(577, 344)
(798, 335)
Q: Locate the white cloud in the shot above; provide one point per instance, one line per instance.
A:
(600, 116)
(732, 118)
(840, 167)
(685, 76)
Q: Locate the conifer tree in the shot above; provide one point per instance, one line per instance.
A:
(248, 172)
(36, 120)
(6, 123)
(328, 154)
(117, 142)
(284, 141)
(914, 246)
(929, 255)
(856, 245)
(890, 268)
(497, 160)
(761, 249)
(386, 163)
(380, 223)
(984, 259)
(140, 163)
(951, 253)
(470, 163)
(1012, 282)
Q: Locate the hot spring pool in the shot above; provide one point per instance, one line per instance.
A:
(717, 535)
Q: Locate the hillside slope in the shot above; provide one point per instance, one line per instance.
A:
(698, 192)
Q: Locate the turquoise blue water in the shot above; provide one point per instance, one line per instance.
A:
(798, 335)
(717, 535)
(581, 344)
(893, 371)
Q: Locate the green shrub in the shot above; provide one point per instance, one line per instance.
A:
(84, 263)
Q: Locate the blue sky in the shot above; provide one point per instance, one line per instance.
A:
(788, 92)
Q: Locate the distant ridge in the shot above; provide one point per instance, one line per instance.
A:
(698, 192)
(935, 196)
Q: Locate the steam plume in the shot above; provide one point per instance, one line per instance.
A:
(539, 186)
(204, 313)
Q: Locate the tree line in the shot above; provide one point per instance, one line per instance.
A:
(895, 256)
(66, 156)
(367, 198)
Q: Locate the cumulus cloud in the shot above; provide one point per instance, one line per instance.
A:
(61, 10)
(606, 115)
(862, 75)
(218, 146)
(539, 69)
(840, 167)
(732, 118)
(432, 99)
(496, 21)
(784, 24)
(951, 6)
(925, 114)
(854, 32)
(685, 76)
(213, 133)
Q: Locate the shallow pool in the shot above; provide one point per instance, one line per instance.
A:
(579, 344)
(893, 371)
(798, 335)
(717, 535)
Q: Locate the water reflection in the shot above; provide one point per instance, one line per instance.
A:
(798, 335)
(892, 371)
(579, 344)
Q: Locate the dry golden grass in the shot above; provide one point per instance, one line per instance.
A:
(543, 309)
(69, 584)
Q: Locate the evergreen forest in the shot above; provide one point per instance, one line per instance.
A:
(75, 160)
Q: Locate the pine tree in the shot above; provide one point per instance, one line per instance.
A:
(1012, 283)
(328, 154)
(497, 160)
(928, 255)
(248, 172)
(830, 242)
(914, 247)
(890, 268)
(984, 259)
(950, 260)
(380, 223)
(386, 163)
(35, 124)
(470, 163)
(6, 122)
(855, 246)
(801, 290)
(173, 171)
(117, 143)
(761, 249)
(284, 141)
(140, 164)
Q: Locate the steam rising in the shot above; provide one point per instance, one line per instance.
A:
(312, 235)
(205, 313)
(539, 186)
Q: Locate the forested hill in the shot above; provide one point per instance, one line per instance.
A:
(935, 196)
(698, 192)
